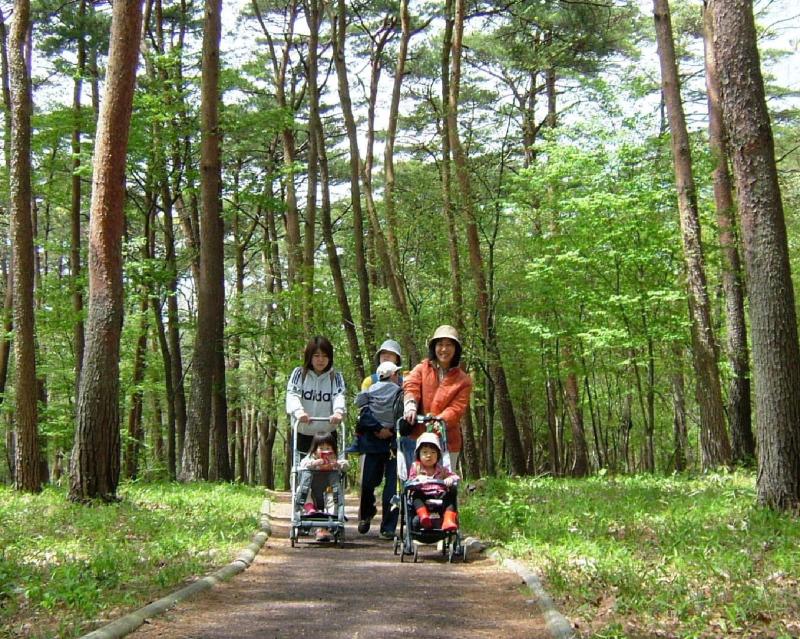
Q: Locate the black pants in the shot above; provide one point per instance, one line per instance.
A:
(379, 467)
(448, 500)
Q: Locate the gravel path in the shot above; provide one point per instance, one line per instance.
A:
(359, 591)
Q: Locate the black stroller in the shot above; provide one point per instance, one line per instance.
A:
(411, 535)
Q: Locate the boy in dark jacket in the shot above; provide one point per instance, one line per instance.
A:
(380, 406)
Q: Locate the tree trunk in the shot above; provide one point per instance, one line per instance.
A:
(391, 135)
(773, 320)
(236, 418)
(679, 430)
(715, 445)
(338, 37)
(471, 454)
(173, 333)
(75, 208)
(8, 325)
(552, 427)
(6, 85)
(648, 450)
(739, 408)
(221, 469)
(388, 267)
(333, 258)
(135, 439)
(625, 427)
(8, 268)
(211, 287)
(157, 432)
(94, 466)
(267, 429)
(580, 463)
(169, 388)
(280, 68)
(312, 174)
(27, 455)
(595, 417)
(511, 438)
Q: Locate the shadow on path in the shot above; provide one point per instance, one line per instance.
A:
(357, 591)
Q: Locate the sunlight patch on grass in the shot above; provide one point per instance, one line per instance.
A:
(64, 566)
(637, 556)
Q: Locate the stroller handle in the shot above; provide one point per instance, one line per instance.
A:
(404, 428)
(320, 419)
(416, 482)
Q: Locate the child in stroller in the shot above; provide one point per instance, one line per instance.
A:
(321, 475)
(429, 484)
(429, 511)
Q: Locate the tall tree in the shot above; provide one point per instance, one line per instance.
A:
(338, 40)
(75, 206)
(207, 378)
(27, 473)
(714, 442)
(281, 66)
(773, 320)
(471, 456)
(739, 406)
(313, 17)
(511, 436)
(95, 462)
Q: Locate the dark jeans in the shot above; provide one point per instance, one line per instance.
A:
(377, 467)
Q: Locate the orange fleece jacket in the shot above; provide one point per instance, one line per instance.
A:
(447, 400)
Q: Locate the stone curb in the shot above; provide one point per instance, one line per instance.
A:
(130, 622)
(557, 624)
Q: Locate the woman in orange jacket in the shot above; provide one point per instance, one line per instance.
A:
(439, 387)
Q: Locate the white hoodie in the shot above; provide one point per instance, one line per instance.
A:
(317, 395)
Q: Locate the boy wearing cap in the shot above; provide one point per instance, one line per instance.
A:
(379, 407)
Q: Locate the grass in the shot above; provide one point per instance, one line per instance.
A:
(65, 569)
(651, 556)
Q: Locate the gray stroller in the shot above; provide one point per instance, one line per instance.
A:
(332, 516)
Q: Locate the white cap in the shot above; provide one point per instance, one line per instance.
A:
(387, 369)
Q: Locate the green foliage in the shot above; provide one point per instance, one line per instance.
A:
(631, 555)
(63, 565)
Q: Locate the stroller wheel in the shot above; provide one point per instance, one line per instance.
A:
(396, 546)
(293, 536)
(416, 553)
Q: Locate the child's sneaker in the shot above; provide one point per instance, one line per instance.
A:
(308, 508)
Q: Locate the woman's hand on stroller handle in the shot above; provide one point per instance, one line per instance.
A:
(405, 425)
(333, 419)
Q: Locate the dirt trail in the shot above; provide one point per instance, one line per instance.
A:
(359, 591)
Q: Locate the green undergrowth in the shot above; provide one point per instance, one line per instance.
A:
(651, 556)
(66, 568)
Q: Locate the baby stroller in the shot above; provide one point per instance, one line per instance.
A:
(332, 517)
(410, 535)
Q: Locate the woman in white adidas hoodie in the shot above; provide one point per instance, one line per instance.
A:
(315, 389)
